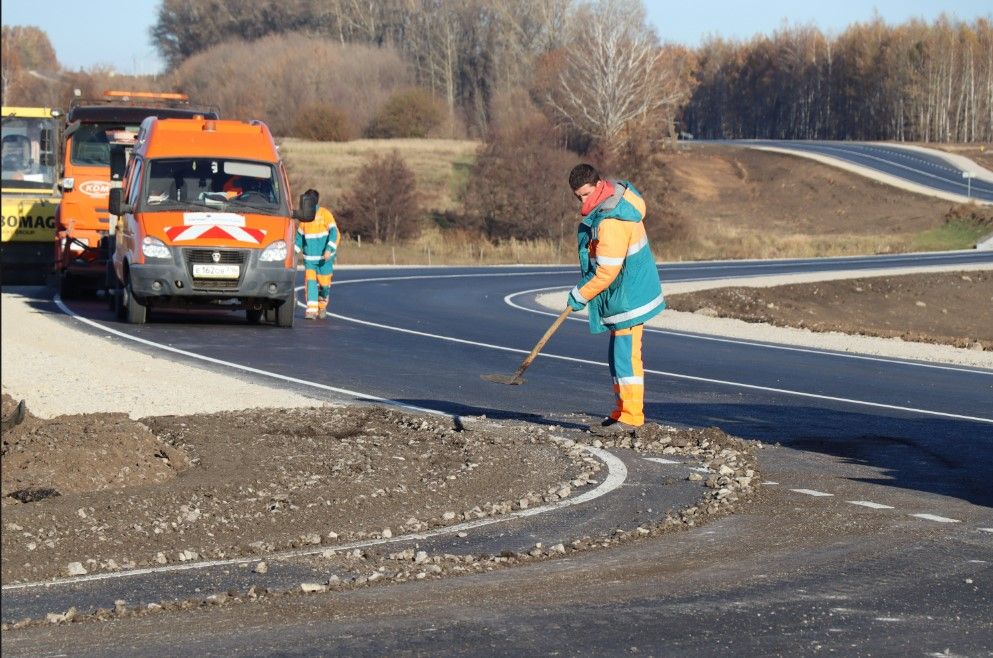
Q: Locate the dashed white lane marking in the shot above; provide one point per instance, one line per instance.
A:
(811, 492)
(617, 473)
(935, 517)
(989, 530)
(870, 504)
(661, 460)
(770, 482)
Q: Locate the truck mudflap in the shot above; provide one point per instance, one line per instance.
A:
(203, 276)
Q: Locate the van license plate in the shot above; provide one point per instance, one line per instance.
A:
(210, 271)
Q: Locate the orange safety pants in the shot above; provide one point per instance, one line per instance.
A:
(318, 286)
(628, 371)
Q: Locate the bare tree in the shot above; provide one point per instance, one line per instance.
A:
(614, 71)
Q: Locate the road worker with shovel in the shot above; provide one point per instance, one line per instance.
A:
(620, 285)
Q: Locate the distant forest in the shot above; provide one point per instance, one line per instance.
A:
(596, 70)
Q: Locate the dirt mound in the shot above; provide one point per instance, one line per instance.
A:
(776, 194)
(258, 481)
(951, 308)
(79, 453)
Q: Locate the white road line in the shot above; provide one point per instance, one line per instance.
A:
(870, 504)
(675, 375)
(769, 482)
(617, 473)
(255, 371)
(989, 530)
(661, 460)
(935, 517)
(811, 492)
(740, 341)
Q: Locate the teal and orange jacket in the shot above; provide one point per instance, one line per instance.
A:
(620, 282)
(316, 237)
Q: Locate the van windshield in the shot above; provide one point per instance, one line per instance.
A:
(236, 185)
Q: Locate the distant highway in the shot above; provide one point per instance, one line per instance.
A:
(918, 167)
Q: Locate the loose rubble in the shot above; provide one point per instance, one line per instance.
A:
(732, 480)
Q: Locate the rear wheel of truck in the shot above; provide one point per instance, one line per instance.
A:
(137, 313)
(284, 314)
(120, 304)
(111, 288)
(67, 286)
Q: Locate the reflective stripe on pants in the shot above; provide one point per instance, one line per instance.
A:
(318, 285)
(628, 371)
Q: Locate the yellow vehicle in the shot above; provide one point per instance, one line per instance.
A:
(30, 197)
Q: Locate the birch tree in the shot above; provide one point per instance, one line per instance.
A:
(614, 71)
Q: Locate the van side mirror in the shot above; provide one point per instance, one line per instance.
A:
(116, 204)
(307, 209)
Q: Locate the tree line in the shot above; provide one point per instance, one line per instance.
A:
(909, 82)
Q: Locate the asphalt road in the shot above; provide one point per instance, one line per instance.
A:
(874, 534)
(914, 166)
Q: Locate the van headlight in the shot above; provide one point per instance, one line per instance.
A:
(154, 248)
(274, 252)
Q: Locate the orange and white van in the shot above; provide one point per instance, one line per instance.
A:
(205, 219)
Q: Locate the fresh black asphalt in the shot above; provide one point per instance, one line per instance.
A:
(919, 167)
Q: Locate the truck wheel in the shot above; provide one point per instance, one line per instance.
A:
(111, 288)
(120, 303)
(284, 314)
(137, 313)
(254, 315)
(67, 286)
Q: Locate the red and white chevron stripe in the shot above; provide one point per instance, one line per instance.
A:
(221, 231)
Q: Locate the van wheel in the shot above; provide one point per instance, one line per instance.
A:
(137, 313)
(284, 314)
(254, 315)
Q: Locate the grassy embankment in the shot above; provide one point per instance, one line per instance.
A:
(742, 214)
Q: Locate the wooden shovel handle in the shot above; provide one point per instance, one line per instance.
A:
(541, 342)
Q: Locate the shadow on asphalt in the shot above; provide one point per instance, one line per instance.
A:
(943, 456)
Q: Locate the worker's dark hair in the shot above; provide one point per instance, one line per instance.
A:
(314, 193)
(583, 174)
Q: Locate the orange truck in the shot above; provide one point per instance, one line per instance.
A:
(83, 240)
(205, 220)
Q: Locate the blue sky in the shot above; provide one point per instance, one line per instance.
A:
(115, 32)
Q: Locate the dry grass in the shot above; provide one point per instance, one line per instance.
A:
(741, 204)
(439, 165)
(454, 247)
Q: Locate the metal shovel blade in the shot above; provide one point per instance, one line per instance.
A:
(509, 380)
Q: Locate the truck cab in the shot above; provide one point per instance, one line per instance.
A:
(205, 220)
(83, 240)
(30, 164)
